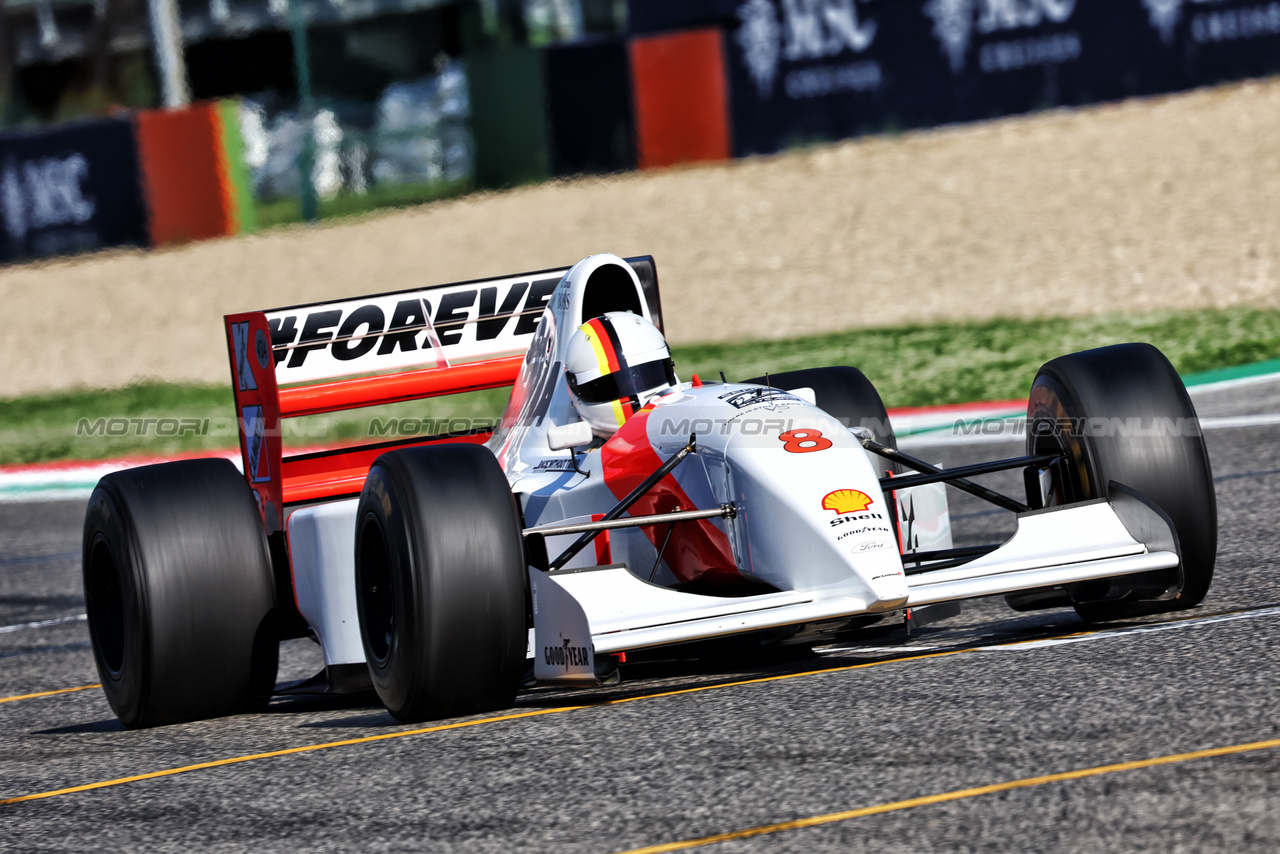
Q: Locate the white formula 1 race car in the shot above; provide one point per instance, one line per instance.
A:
(446, 571)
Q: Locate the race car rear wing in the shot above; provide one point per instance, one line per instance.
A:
(366, 351)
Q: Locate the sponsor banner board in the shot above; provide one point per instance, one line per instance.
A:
(70, 189)
(802, 71)
(590, 109)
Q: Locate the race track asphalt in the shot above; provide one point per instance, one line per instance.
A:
(683, 750)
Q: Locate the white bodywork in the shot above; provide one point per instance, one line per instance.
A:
(811, 532)
(322, 545)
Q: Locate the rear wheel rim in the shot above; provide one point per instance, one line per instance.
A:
(105, 606)
(376, 593)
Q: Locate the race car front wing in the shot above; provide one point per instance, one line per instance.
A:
(1104, 538)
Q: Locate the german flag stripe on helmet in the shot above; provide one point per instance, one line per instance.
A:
(604, 343)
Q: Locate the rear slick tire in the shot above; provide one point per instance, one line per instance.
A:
(440, 582)
(179, 593)
(1086, 404)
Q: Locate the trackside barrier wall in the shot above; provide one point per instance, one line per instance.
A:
(185, 182)
(193, 170)
(231, 160)
(559, 110)
(589, 107)
(800, 71)
(507, 87)
(680, 98)
(70, 189)
(155, 177)
(693, 80)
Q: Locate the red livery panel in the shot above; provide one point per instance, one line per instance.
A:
(696, 551)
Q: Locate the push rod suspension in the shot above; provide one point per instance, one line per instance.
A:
(946, 554)
(625, 504)
(914, 562)
(944, 475)
(724, 511)
(968, 486)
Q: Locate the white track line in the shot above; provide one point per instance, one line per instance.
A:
(1019, 646)
(1014, 430)
(880, 649)
(1222, 385)
(1224, 422)
(40, 624)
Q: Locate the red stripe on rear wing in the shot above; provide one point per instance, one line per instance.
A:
(413, 385)
(328, 474)
(405, 345)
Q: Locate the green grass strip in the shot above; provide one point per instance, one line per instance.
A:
(1236, 372)
(910, 365)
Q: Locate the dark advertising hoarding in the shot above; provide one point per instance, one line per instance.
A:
(589, 103)
(71, 189)
(807, 70)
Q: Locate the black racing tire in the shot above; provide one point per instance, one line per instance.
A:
(846, 394)
(1122, 387)
(440, 582)
(179, 593)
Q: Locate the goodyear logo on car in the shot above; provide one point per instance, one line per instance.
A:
(566, 655)
(433, 326)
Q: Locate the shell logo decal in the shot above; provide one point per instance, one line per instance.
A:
(846, 501)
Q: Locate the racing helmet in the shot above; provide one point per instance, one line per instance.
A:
(614, 364)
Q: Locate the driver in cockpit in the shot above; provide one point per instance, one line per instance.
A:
(615, 364)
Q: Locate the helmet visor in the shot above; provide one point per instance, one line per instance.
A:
(628, 382)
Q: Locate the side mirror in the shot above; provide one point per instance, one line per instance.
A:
(572, 435)
(805, 394)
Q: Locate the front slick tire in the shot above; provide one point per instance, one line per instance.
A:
(179, 593)
(440, 582)
(1108, 392)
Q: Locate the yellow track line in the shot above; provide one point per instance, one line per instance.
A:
(960, 794)
(217, 763)
(235, 760)
(49, 693)
(169, 772)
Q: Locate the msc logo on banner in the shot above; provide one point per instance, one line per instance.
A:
(1164, 15)
(806, 31)
(44, 193)
(1222, 21)
(956, 22)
